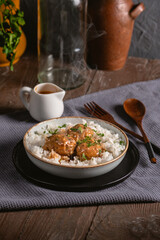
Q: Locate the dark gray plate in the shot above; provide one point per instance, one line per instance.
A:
(35, 175)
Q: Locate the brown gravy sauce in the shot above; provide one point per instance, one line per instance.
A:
(45, 92)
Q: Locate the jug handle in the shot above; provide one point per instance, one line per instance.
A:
(24, 93)
(136, 10)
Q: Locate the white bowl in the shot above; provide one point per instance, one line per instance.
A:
(68, 171)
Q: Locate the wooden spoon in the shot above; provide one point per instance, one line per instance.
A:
(136, 110)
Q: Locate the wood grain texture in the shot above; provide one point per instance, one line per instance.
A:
(109, 222)
(11, 224)
(25, 74)
(126, 221)
(135, 70)
(50, 224)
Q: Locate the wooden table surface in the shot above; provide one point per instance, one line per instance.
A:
(116, 221)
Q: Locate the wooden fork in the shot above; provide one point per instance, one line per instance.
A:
(95, 110)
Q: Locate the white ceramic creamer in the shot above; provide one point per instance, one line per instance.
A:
(44, 101)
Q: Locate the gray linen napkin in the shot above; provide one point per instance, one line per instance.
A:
(142, 185)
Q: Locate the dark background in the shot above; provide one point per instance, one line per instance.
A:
(146, 35)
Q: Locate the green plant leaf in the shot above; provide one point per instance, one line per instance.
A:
(6, 12)
(21, 21)
(11, 20)
(20, 13)
(5, 50)
(2, 2)
(9, 2)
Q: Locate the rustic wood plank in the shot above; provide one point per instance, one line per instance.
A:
(135, 70)
(117, 222)
(25, 74)
(126, 221)
(63, 223)
(11, 224)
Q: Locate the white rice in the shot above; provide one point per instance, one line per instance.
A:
(112, 142)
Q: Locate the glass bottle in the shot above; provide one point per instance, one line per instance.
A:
(62, 42)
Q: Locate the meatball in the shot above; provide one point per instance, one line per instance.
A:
(80, 131)
(61, 144)
(89, 149)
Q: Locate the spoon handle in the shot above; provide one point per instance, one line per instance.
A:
(155, 147)
(147, 144)
(150, 152)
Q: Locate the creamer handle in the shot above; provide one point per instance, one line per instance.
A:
(25, 96)
(136, 10)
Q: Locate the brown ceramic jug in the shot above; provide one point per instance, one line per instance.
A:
(113, 21)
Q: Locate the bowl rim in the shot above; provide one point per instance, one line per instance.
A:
(77, 167)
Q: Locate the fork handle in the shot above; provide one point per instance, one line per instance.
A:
(150, 152)
(155, 147)
(147, 143)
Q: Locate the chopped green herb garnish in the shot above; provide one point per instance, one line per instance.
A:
(121, 142)
(85, 125)
(100, 134)
(93, 143)
(74, 129)
(94, 130)
(84, 156)
(44, 132)
(63, 126)
(87, 138)
(36, 132)
(100, 151)
(55, 131)
(51, 132)
(80, 129)
(89, 144)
